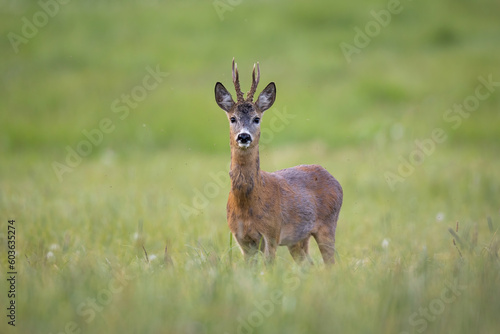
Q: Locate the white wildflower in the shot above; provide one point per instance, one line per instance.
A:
(440, 217)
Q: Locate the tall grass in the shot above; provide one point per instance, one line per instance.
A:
(82, 248)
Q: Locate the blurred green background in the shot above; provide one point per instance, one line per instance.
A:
(148, 180)
(64, 79)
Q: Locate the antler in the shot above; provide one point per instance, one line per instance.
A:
(255, 82)
(236, 82)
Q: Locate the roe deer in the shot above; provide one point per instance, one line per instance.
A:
(286, 207)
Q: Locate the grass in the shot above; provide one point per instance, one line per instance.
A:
(91, 246)
(81, 241)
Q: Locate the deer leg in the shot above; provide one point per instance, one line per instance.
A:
(250, 257)
(325, 237)
(300, 251)
(249, 253)
(248, 248)
(263, 245)
(305, 247)
(269, 249)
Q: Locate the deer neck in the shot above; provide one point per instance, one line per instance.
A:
(245, 172)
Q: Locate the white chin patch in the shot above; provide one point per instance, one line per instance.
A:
(246, 145)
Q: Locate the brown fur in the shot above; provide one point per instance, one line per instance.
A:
(284, 208)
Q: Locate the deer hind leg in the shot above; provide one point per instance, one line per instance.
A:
(300, 251)
(268, 247)
(325, 237)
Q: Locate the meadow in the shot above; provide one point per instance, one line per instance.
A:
(115, 156)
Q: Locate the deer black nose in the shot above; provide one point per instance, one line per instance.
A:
(244, 138)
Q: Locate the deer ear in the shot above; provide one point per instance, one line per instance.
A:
(223, 97)
(267, 97)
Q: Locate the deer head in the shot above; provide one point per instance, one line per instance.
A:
(244, 115)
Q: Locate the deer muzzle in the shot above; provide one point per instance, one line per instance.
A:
(244, 139)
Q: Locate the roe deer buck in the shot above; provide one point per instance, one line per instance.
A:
(286, 207)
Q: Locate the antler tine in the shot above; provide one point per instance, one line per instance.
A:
(255, 82)
(236, 82)
(258, 75)
(234, 76)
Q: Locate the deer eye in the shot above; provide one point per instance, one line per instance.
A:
(232, 119)
(256, 120)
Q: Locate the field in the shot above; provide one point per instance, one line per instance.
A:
(115, 156)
